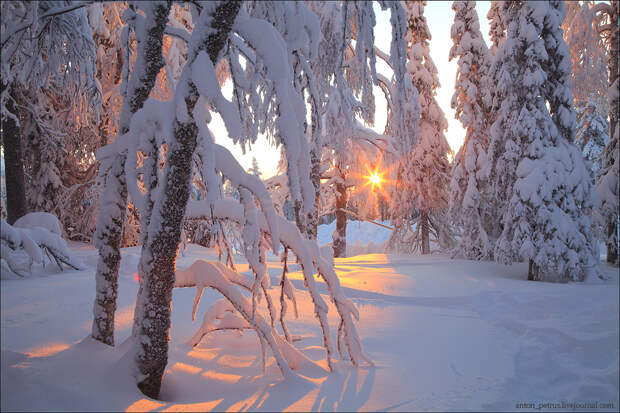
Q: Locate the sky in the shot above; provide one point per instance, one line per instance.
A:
(439, 17)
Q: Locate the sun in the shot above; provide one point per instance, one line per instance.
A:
(374, 179)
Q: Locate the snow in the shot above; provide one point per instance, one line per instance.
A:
(444, 335)
(362, 237)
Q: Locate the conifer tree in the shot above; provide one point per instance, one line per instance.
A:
(538, 175)
(430, 157)
(467, 187)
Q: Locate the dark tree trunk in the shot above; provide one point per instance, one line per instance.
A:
(612, 247)
(533, 272)
(109, 233)
(424, 223)
(158, 259)
(340, 239)
(14, 166)
(315, 177)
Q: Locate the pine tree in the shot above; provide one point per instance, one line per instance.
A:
(255, 169)
(467, 187)
(430, 157)
(539, 174)
(592, 136)
(497, 27)
(607, 16)
(403, 118)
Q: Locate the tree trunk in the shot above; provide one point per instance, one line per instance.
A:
(426, 247)
(612, 247)
(14, 166)
(315, 177)
(340, 235)
(533, 272)
(158, 258)
(108, 236)
(612, 226)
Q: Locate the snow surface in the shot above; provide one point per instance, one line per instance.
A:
(443, 334)
(362, 237)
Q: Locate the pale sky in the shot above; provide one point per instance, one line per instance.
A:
(439, 17)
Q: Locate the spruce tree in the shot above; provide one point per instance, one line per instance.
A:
(430, 157)
(467, 187)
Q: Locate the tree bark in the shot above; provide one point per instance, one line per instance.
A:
(533, 272)
(14, 166)
(108, 236)
(426, 247)
(315, 177)
(158, 258)
(612, 247)
(340, 241)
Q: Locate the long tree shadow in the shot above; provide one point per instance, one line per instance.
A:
(339, 391)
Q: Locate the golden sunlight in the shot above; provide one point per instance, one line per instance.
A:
(375, 179)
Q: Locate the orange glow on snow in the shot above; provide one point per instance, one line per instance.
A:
(187, 368)
(224, 377)
(144, 405)
(136, 277)
(193, 407)
(47, 350)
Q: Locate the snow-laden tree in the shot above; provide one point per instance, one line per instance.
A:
(467, 187)
(430, 156)
(403, 114)
(607, 186)
(497, 27)
(497, 34)
(589, 77)
(558, 69)
(46, 45)
(345, 75)
(176, 132)
(592, 135)
(538, 175)
(255, 169)
(134, 90)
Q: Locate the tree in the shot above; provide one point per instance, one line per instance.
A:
(46, 46)
(177, 130)
(108, 236)
(592, 135)
(588, 61)
(543, 177)
(497, 26)
(403, 116)
(345, 74)
(607, 185)
(430, 157)
(255, 170)
(467, 187)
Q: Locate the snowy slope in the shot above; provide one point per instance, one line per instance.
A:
(444, 335)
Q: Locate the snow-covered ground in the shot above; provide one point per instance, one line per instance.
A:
(444, 335)
(362, 236)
